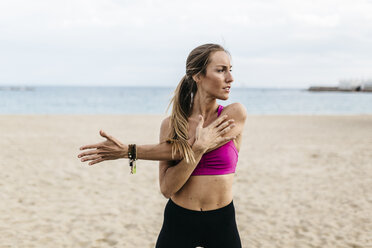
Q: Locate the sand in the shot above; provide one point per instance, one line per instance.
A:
(301, 181)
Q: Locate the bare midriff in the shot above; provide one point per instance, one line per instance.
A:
(207, 192)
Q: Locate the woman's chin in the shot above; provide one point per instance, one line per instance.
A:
(224, 97)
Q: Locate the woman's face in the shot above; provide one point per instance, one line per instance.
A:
(217, 80)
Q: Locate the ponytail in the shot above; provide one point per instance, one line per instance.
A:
(179, 119)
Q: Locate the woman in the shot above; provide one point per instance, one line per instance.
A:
(197, 164)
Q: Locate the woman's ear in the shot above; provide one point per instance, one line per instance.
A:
(196, 77)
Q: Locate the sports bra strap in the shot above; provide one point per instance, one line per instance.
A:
(220, 107)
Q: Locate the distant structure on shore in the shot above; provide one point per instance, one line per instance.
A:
(16, 88)
(347, 85)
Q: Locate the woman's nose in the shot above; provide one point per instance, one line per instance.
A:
(229, 77)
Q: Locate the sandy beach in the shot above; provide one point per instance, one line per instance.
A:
(301, 181)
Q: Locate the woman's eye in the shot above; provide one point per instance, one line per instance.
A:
(220, 70)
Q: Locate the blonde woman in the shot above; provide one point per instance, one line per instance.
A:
(197, 153)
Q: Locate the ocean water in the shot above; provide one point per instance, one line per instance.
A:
(154, 100)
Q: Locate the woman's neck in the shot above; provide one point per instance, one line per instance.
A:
(205, 106)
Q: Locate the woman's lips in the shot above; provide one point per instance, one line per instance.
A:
(227, 89)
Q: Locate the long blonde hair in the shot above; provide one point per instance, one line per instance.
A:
(183, 100)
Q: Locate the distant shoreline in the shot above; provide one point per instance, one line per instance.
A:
(321, 89)
(155, 100)
(347, 85)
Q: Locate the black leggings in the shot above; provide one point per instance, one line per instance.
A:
(185, 228)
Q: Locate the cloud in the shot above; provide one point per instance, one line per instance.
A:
(286, 42)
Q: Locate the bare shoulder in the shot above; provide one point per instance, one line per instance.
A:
(236, 110)
(165, 122)
(164, 129)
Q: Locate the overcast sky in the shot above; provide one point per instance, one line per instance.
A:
(273, 43)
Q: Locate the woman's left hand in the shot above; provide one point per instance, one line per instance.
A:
(108, 150)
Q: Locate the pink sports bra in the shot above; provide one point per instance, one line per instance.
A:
(220, 161)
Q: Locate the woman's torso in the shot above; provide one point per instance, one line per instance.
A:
(206, 192)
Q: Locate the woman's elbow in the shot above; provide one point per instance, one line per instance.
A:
(167, 196)
(166, 192)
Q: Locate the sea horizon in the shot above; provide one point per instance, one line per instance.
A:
(99, 99)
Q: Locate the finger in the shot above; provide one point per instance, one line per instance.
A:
(227, 129)
(229, 138)
(104, 134)
(97, 151)
(96, 161)
(225, 124)
(225, 139)
(98, 145)
(113, 139)
(90, 158)
(109, 137)
(219, 120)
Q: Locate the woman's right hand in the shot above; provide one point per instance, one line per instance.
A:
(211, 137)
(108, 150)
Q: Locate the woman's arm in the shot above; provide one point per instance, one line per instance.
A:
(172, 178)
(113, 149)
